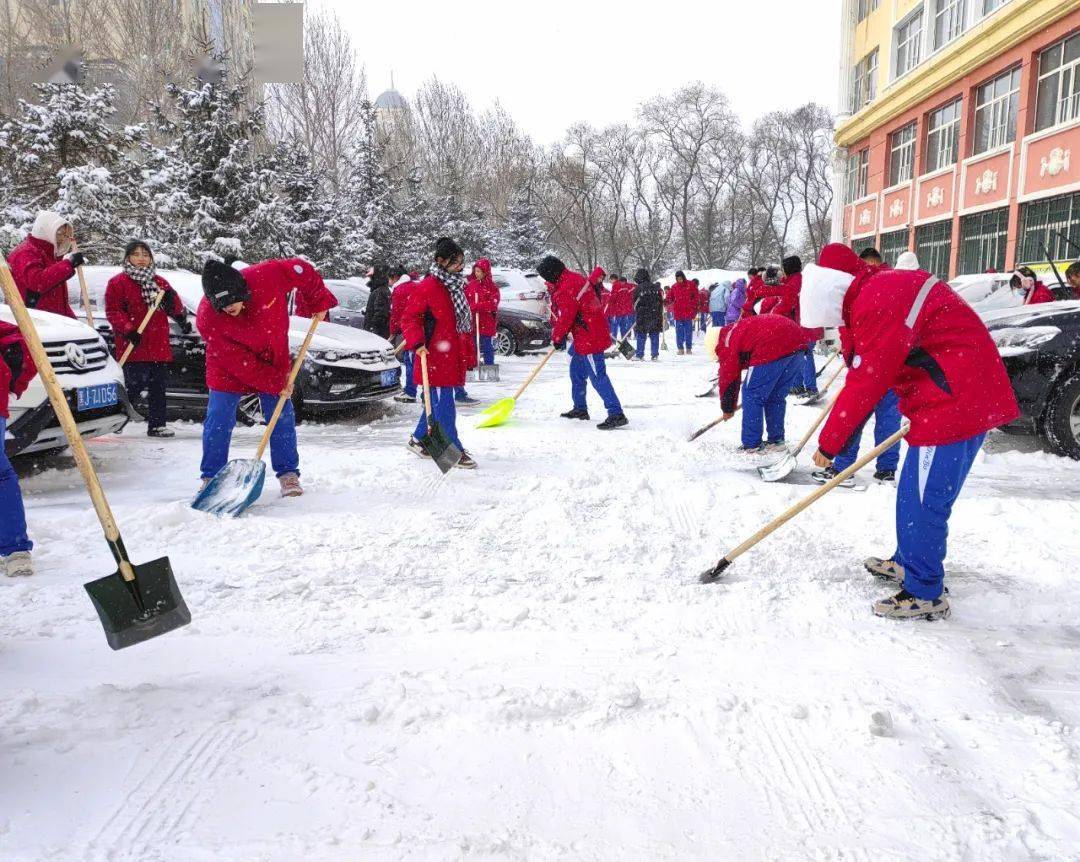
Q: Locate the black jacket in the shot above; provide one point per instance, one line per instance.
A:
(649, 308)
(377, 313)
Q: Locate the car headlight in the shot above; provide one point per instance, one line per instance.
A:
(1020, 339)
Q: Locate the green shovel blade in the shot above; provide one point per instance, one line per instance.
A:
(496, 414)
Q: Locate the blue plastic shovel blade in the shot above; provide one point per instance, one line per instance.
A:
(236, 486)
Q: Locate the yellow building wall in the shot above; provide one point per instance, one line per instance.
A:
(874, 32)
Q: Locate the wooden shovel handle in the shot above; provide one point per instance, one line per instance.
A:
(427, 388)
(63, 415)
(315, 321)
(142, 326)
(808, 501)
(535, 371)
(821, 416)
(828, 362)
(85, 296)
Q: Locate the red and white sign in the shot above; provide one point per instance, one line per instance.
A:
(986, 180)
(1050, 163)
(896, 207)
(935, 196)
(864, 221)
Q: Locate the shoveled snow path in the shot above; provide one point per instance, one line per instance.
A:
(518, 662)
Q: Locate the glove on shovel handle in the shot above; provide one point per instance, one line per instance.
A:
(713, 574)
(142, 326)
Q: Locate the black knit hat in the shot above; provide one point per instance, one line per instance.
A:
(223, 285)
(550, 268)
(447, 249)
(680, 274)
(134, 244)
(642, 276)
(792, 265)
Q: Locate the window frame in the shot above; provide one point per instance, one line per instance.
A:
(1061, 70)
(935, 148)
(984, 237)
(864, 83)
(858, 175)
(916, 17)
(896, 149)
(1007, 104)
(959, 21)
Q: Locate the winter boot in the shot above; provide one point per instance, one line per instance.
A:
(467, 462)
(751, 451)
(682, 352)
(888, 570)
(575, 413)
(830, 473)
(405, 398)
(160, 432)
(777, 448)
(886, 477)
(655, 359)
(616, 420)
(467, 400)
(904, 606)
(18, 565)
(290, 485)
(416, 448)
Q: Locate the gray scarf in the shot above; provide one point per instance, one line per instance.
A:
(455, 284)
(144, 277)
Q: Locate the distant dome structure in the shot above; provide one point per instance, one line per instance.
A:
(391, 100)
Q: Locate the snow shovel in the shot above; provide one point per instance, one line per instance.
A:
(712, 388)
(827, 364)
(142, 326)
(622, 346)
(436, 442)
(714, 574)
(820, 394)
(484, 373)
(713, 424)
(500, 411)
(783, 468)
(240, 482)
(85, 297)
(136, 602)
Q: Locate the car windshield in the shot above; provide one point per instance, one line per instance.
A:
(350, 298)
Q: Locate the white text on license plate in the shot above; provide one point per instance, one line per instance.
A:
(94, 397)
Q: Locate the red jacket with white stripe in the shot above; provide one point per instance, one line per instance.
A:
(913, 334)
(578, 313)
(621, 301)
(753, 341)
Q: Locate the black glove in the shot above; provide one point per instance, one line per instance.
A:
(133, 337)
(32, 297)
(76, 259)
(560, 344)
(13, 358)
(183, 323)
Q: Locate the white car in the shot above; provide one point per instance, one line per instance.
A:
(522, 290)
(989, 291)
(89, 376)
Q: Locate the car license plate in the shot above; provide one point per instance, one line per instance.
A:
(390, 377)
(95, 397)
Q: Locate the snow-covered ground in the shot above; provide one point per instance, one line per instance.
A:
(519, 663)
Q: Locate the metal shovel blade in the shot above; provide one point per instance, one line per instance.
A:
(813, 399)
(778, 470)
(626, 350)
(441, 448)
(135, 611)
(488, 373)
(496, 414)
(236, 486)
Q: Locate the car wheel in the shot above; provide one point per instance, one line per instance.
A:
(249, 410)
(505, 343)
(1061, 424)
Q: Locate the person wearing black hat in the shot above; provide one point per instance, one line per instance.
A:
(377, 312)
(649, 314)
(129, 295)
(244, 320)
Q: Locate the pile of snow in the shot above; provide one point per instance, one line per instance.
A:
(706, 277)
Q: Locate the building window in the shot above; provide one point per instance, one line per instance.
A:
(949, 19)
(996, 105)
(902, 155)
(864, 90)
(1059, 84)
(861, 245)
(866, 7)
(983, 238)
(943, 136)
(933, 246)
(858, 175)
(1042, 221)
(909, 44)
(893, 244)
(992, 6)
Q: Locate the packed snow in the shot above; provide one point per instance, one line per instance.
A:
(519, 663)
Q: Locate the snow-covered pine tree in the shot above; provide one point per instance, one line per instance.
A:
(522, 242)
(370, 193)
(412, 232)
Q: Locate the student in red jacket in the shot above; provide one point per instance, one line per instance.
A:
(578, 315)
(403, 284)
(128, 296)
(484, 297)
(244, 320)
(771, 347)
(1033, 290)
(703, 306)
(437, 317)
(621, 304)
(16, 371)
(43, 262)
(912, 333)
(683, 297)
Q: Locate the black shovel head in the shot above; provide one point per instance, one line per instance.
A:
(626, 350)
(134, 612)
(440, 447)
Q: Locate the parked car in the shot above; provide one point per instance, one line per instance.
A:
(521, 332)
(1040, 346)
(91, 379)
(345, 367)
(991, 291)
(522, 290)
(352, 301)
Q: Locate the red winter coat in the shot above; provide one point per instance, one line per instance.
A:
(125, 309)
(484, 297)
(37, 269)
(10, 334)
(429, 320)
(250, 352)
(927, 345)
(578, 313)
(758, 291)
(399, 300)
(621, 302)
(753, 341)
(1040, 293)
(787, 297)
(703, 301)
(683, 297)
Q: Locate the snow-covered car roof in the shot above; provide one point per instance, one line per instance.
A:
(1025, 314)
(51, 327)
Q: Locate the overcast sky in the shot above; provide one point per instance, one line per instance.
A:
(565, 61)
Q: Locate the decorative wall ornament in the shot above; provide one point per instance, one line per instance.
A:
(1055, 162)
(865, 217)
(936, 197)
(896, 209)
(987, 182)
